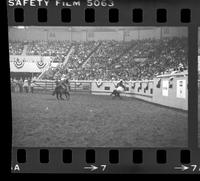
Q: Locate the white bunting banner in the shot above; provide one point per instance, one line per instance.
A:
(181, 89)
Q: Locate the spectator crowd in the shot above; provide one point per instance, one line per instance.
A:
(16, 47)
(111, 60)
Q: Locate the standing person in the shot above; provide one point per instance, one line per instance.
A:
(21, 85)
(25, 85)
(29, 84)
(32, 86)
(14, 85)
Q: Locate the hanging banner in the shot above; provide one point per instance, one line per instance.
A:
(165, 87)
(41, 64)
(19, 63)
(181, 89)
(30, 58)
(99, 83)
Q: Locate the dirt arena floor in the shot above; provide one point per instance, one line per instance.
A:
(39, 120)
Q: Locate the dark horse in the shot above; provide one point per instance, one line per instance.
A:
(60, 89)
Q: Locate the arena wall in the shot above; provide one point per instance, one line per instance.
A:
(27, 34)
(133, 89)
(117, 36)
(168, 90)
(77, 34)
(176, 96)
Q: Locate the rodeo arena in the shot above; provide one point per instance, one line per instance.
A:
(99, 86)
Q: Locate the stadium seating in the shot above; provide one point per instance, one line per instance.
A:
(111, 60)
(16, 47)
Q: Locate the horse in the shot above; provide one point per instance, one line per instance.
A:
(61, 89)
(119, 89)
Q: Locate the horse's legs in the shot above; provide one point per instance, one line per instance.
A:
(61, 96)
(116, 93)
(113, 93)
(119, 95)
(68, 95)
(57, 95)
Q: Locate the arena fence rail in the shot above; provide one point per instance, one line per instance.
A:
(167, 90)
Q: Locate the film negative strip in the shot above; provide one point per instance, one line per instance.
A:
(104, 86)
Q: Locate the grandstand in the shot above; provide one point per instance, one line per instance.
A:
(127, 56)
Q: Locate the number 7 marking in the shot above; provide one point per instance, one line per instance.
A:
(194, 167)
(104, 167)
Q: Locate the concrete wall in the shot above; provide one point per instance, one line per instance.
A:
(27, 34)
(173, 99)
(46, 33)
(163, 95)
(174, 32)
(118, 36)
(107, 87)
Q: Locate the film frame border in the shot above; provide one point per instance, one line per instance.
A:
(149, 163)
(148, 19)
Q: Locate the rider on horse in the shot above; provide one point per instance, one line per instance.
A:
(119, 89)
(120, 84)
(63, 82)
(62, 87)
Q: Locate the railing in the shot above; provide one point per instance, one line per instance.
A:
(145, 90)
(79, 85)
(44, 86)
(75, 86)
